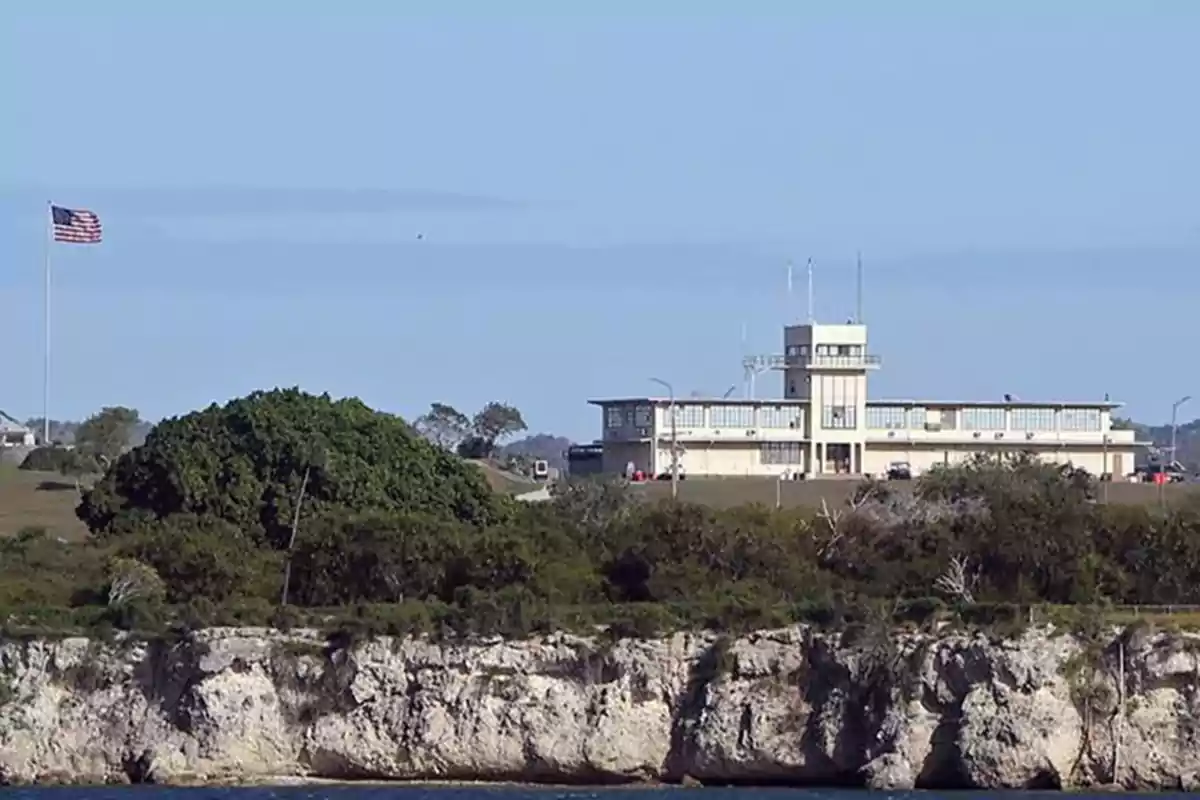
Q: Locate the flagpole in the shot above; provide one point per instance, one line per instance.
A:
(46, 332)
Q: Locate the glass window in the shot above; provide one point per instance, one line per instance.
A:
(614, 417)
(733, 416)
(1032, 419)
(780, 452)
(688, 416)
(643, 416)
(779, 417)
(839, 417)
(886, 417)
(1079, 419)
(983, 419)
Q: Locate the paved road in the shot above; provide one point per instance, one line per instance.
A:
(536, 496)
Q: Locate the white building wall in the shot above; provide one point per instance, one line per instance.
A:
(1118, 461)
(824, 424)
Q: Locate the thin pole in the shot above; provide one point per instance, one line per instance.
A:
(1175, 424)
(674, 436)
(46, 332)
(1174, 428)
(674, 452)
(811, 319)
(858, 312)
(1105, 479)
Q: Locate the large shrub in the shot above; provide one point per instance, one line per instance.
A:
(244, 463)
(55, 458)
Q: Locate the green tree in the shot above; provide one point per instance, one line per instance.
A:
(444, 425)
(106, 434)
(492, 424)
(130, 581)
(244, 463)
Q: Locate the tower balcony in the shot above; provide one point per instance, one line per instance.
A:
(853, 363)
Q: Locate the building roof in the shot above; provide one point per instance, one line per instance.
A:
(1102, 404)
(776, 401)
(711, 401)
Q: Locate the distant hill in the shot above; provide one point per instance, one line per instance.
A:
(1187, 440)
(551, 449)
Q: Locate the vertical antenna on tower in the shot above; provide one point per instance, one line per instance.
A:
(811, 320)
(858, 310)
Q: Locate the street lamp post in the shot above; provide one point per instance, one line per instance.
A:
(1105, 478)
(1175, 423)
(674, 437)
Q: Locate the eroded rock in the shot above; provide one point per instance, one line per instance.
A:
(786, 706)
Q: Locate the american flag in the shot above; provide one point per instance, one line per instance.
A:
(75, 225)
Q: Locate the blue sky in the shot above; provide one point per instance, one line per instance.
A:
(602, 197)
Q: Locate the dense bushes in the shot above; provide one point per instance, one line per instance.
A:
(244, 463)
(396, 536)
(55, 458)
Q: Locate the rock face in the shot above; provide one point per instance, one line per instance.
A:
(788, 706)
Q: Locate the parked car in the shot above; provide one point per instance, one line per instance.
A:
(899, 471)
(1175, 473)
(665, 475)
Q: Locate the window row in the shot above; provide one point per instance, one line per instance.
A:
(825, 350)
(839, 417)
(692, 416)
(616, 417)
(1032, 419)
(780, 452)
(1087, 420)
(895, 417)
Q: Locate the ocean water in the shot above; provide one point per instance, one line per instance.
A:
(396, 792)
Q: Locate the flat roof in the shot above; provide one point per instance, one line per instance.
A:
(742, 401)
(998, 403)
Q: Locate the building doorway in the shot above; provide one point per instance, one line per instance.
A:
(837, 459)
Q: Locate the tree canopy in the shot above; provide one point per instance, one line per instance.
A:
(103, 436)
(242, 463)
(470, 437)
(398, 529)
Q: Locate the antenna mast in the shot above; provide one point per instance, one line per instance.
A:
(811, 320)
(858, 312)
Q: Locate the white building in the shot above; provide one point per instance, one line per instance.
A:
(13, 433)
(824, 425)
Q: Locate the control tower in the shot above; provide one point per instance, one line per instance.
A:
(826, 366)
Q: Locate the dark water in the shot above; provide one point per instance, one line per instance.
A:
(362, 792)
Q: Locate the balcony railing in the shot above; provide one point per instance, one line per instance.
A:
(811, 361)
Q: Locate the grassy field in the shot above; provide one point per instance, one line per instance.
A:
(45, 499)
(38, 499)
(725, 492)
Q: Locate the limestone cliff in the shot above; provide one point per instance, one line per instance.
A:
(789, 706)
